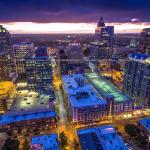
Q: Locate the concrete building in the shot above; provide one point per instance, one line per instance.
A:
(118, 102)
(144, 43)
(144, 125)
(104, 35)
(100, 138)
(7, 93)
(20, 50)
(39, 71)
(45, 142)
(137, 79)
(85, 104)
(28, 119)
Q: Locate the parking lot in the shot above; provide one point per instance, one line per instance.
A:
(26, 100)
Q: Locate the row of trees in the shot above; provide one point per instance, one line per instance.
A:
(13, 144)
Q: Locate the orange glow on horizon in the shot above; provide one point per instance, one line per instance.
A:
(33, 28)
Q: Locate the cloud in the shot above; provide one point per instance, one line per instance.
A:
(73, 10)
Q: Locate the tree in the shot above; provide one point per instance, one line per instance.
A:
(131, 129)
(86, 51)
(26, 145)
(11, 144)
(63, 139)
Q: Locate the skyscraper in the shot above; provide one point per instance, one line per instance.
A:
(104, 35)
(20, 50)
(137, 79)
(6, 53)
(39, 71)
(144, 45)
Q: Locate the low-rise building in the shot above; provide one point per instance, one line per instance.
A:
(45, 142)
(39, 118)
(7, 93)
(85, 104)
(102, 138)
(144, 125)
(118, 101)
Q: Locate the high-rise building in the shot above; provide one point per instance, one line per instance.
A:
(5, 48)
(144, 43)
(104, 35)
(20, 51)
(4, 69)
(39, 71)
(137, 79)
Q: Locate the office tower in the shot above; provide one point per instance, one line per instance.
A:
(39, 71)
(62, 61)
(137, 79)
(4, 68)
(144, 43)
(20, 51)
(104, 35)
(5, 47)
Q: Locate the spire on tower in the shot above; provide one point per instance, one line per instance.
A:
(101, 22)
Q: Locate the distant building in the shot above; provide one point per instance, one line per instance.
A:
(137, 79)
(104, 35)
(100, 138)
(4, 66)
(20, 51)
(38, 69)
(144, 125)
(85, 105)
(45, 142)
(5, 48)
(70, 59)
(144, 43)
(118, 102)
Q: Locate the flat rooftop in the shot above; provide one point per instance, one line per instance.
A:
(80, 92)
(25, 101)
(104, 137)
(24, 116)
(145, 123)
(106, 88)
(48, 142)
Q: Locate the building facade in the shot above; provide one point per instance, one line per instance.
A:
(20, 51)
(38, 69)
(137, 79)
(144, 43)
(104, 35)
(85, 105)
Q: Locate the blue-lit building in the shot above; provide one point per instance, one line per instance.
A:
(45, 142)
(137, 79)
(39, 71)
(100, 138)
(104, 35)
(85, 104)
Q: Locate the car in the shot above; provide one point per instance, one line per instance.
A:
(25, 99)
(42, 103)
(26, 96)
(27, 102)
(30, 95)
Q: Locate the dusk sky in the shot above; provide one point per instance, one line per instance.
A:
(55, 16)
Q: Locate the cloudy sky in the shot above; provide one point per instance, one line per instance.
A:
(73, 16)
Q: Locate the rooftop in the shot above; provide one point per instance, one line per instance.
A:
(23, 116)
(106, 88)
(23, 44)
(104, 137)
(25, 101)
(145, 123)
(48, 142)
(80, 92)
(144, 58)
(6, 87)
